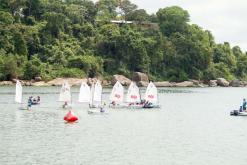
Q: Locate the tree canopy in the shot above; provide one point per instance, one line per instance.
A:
(77, 38)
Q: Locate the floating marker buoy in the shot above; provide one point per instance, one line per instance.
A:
(70, 117)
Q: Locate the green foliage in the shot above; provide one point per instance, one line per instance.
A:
(137, 15)
(173, 19)
(75, 38)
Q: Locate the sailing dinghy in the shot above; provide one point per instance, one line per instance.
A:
(117, 96)
(96, 99)
(18, 95)
(151, 96)
(85, 93)
(133, 97)
(65, 94)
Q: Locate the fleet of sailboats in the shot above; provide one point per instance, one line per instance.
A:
(93, 95)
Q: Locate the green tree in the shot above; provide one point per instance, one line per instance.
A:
(173, 19)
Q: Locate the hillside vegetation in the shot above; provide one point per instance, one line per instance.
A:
(76, 38)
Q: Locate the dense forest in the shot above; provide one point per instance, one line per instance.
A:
(80, 38)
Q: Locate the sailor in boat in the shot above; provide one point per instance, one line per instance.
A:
(113, 103)
(241, 109)
(36, 101)
(244, 104)
(29, 103)
(65, 104)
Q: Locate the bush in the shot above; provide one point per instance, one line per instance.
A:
(71, 72)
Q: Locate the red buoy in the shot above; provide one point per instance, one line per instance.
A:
(70, 117)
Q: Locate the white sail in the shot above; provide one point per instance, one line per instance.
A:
(65, 94)
(85, 93)
(117, 93)
(91, 94)
(97, 93)
(18, 92)
(133, 94)
(151, 94)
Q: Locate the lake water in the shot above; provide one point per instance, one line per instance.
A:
(192, 127)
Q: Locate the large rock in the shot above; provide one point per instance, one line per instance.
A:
(222, 82)
(212, 83)
(142, 84)
(138, 76)
(91, 81)
(6, 83)
(122, 79)
(185, 84)
(40, 83)
(106, 83)
(244, 83)
(163, 84)
(71, 81)
(195, 82)
(38, 78)
(236, 83)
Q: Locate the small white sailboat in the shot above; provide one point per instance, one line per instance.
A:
(133, 97)
(18, 95)
(18, 92)
(65, 94)
(96, 99)
(117, 95)
(133, 94)
(151, 96)
(96, 95)
(85, 93)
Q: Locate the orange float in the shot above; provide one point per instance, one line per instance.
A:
(70, 117)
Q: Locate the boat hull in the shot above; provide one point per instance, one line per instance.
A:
(237, 113)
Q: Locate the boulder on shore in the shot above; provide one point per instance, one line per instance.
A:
(71, 81)
(222, 82)
(212, 83)
(106, 83)
(6, 83)
(40, 83)
(142, 84)
(91, 81)
(120, 78)
(38, 78)
(138, 76)
(163, 84)
(236, 83)
(185, 84)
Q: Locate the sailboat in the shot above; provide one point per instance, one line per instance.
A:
(65, 94)
(18, 94)
(85, 93)
(133, 97)
(96, 95)
(151, 96)
(117, 95)
(96, 99)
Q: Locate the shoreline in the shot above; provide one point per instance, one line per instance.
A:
(220, 82)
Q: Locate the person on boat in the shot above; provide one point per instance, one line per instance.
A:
(113, 103)
(241, 109)
(29, 103)
(38, 99)
(102, 110)
(65, 104)
(244, 104)
(34, 101)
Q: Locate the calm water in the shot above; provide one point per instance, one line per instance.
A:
(193, 127)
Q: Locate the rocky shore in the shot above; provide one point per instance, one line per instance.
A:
(140, 78)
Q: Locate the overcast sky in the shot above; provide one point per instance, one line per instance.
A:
(226, 19)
